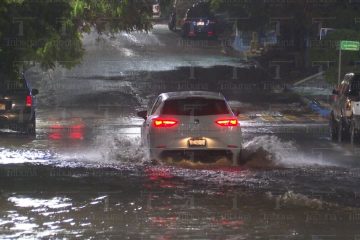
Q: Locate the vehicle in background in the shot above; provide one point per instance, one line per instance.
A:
(190, 122)
(156, 9)
(17, 106)
(345, 112)
(198, 21)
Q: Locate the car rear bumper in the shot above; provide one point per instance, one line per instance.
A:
(201, 34)
(164, 144)
(197, 153)
(15, 117)
(232, 138)
(195, 31)
(204, 155)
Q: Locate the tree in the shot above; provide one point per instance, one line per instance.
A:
(299, 20)
(50, 32)
(327, 51)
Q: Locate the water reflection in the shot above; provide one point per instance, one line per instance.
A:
(35, 203)
(71, 129)
(158, 204)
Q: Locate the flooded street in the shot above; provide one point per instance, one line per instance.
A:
(83, 182)
(85, 175)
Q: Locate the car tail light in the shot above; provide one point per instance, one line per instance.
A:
(159, 122)
(230, 122)
(28, 101)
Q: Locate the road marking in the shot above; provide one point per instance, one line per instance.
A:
(268, 118)
(291, 118)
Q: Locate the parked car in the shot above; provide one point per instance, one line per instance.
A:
(198, 21)
(189, 122)
(17, 106)
(345, 112)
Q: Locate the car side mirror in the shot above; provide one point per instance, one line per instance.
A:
(335, 92)
(142, 114)
(34, 92)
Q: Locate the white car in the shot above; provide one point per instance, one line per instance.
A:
(191, 122)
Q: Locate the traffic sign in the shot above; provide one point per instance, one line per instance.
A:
(350, 45)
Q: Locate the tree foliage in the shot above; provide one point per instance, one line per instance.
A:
(300, 22)
(49, 32)
(326, 52)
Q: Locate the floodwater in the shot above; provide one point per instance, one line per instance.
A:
(90, 178)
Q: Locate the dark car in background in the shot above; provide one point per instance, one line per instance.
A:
(198, 21)
(345, 112)
(17, 106)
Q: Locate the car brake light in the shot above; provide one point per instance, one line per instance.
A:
(28, 101)
(232, 122)
(164, 122)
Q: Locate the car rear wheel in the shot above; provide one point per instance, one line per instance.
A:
(333, 128)
(184, 32)
(343, 130)
(30, 127)
(236, 158)
(340, 131)
(354, 133)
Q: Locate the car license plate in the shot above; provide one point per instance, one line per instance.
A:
(200, 23)
(197, 142)
(2, 106)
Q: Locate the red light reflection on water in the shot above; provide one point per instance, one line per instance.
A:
(75, 131)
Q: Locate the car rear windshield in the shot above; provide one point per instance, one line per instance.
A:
(14, 85)
(201, 10)
(195, 107)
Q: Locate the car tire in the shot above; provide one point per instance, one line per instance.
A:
(353, 133)
(236, 158)
(333, 128)
(183, 32)
(30, 127)
(172, 27)
(340, 131)
(343, 130)
(183, 35)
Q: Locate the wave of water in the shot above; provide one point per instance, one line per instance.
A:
(18, 156)
(271, 152)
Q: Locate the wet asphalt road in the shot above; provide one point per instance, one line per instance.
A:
(86, 176)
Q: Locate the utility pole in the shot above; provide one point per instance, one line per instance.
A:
(339, 70)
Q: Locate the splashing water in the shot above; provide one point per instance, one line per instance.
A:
(16, 156)
(272, 152)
